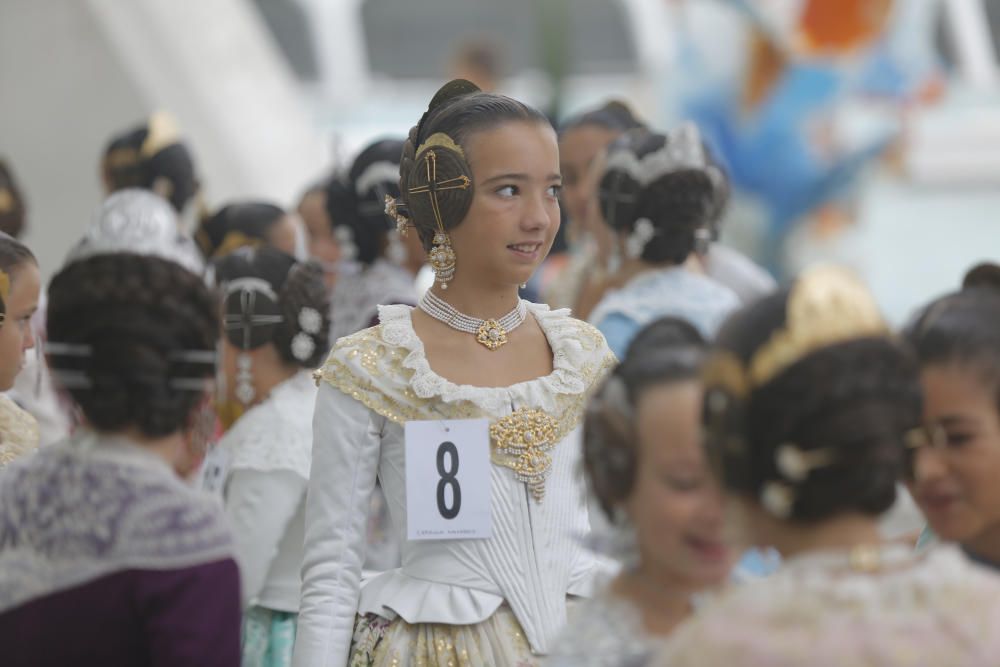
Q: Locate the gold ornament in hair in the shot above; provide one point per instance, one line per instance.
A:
(6, 200)
(234, 240)
(442, 256)
(392, 210)
(827, 305)
(4, 293)
(162, 133)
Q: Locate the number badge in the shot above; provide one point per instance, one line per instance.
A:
(448, 480)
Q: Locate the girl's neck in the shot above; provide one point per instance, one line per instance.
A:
(267, 376)
(663, 600)
(484, 302)
(630, 268)
(985, 546)
(837, 533)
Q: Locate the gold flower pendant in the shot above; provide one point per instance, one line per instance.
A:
(491, 335)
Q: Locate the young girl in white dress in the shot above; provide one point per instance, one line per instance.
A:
(480, 185)
(645, 463)
(275, 331)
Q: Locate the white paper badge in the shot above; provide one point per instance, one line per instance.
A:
(214, 469)
(448, 480)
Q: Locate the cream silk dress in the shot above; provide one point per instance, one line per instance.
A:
(498, 601)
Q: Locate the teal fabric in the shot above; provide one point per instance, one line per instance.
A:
(268, 638)
(927, 538)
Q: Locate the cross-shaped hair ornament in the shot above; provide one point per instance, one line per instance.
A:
(614, 196)
(247, 319)
(434, 186)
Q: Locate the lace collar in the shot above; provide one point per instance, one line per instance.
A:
(580, 357)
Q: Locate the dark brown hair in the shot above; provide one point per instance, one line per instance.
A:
(458, 110)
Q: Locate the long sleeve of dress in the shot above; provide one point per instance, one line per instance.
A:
(346, 441)
(192, 616)
(259, 506)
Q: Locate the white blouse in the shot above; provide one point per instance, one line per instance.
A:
(377, 380)
(268, 456)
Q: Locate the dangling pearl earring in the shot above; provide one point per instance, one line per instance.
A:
(442, 259)
(244, 379)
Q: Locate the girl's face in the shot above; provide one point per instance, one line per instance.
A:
(283, 236)
(578, 148)
(956, 484)
(15, 332)
(675, 504)
(323, 247)
(514, 216)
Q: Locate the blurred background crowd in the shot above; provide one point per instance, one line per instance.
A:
(861, 130)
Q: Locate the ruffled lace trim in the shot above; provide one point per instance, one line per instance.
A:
(277, 433)
(580, 357)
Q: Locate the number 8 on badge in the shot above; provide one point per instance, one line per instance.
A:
(448, 479)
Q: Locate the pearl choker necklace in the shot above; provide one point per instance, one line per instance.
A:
(492, 334)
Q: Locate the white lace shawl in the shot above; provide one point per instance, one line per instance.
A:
(277, 433)
(674, 291)
(605, 631)
(91, 506)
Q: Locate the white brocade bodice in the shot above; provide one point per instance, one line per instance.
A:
(377, 380)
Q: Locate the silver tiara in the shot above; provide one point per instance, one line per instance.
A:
(250, 284)
(682, 150)
(138, 221)
(375, 174)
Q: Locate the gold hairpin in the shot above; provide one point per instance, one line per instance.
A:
(4, 286)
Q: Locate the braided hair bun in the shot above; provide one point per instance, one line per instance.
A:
(807, 395)
(666, 180)
(132, 320)
(292, 297)
(237, 225)
(153, 157)
(355, 201)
